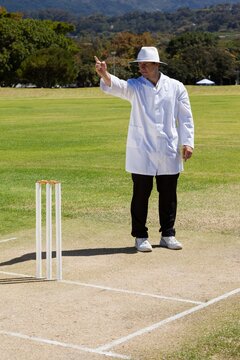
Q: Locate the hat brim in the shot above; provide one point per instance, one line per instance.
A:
(139, 61)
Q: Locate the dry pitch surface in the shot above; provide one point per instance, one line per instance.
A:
(114, 302)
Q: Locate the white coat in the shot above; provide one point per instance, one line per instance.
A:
(160, 123)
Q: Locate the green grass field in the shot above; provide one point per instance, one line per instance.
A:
(78, 136)
(77, 140)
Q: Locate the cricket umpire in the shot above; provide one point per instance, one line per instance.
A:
(160, 137)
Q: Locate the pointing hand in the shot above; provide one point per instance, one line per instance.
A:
(101, 67)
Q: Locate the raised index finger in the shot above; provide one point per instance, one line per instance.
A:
(96, 59)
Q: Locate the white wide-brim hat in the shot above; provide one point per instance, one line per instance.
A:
(148, 54)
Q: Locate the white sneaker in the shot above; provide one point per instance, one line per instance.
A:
(142, 244)
(170, 242)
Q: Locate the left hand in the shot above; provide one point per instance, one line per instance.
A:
(187, 152)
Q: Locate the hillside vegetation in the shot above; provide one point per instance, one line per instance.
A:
(109, 7)
(213, 19)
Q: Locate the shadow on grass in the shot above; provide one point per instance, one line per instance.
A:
(79, 252)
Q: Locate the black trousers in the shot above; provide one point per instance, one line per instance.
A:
(167, 204)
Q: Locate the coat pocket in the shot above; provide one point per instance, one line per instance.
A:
(135, 136)
(170, 148)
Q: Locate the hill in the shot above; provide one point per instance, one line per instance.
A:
(108, 7)
(219, 18)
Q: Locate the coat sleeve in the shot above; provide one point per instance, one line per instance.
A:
(119, 88)
(185, 118)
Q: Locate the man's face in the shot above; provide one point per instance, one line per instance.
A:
(148, 69)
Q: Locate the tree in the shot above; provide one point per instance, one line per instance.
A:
(4, 13)
(88, 47)
(190, 40)
(223, 67)
(19, 38)
(193, 56)
(48, 68)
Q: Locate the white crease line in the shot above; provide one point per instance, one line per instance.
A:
(6, 240)
(166, 321)
(131, 292)
(114, 289)
(65, 345)
(100, 349)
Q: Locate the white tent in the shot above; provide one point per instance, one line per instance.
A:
(205, 82)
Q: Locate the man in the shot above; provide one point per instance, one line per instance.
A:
(160, 136)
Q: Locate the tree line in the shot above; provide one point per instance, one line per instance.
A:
(87, 7)
(47, 54)
(221, 17)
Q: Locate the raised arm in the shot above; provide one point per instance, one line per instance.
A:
(101, 69)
